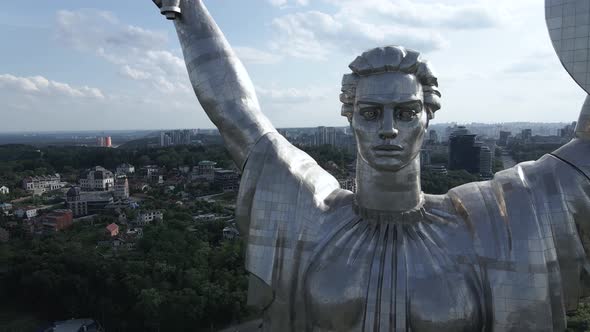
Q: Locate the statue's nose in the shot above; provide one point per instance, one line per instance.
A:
(388, 130)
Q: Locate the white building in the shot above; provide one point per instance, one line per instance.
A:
(4, 190)
(26, 212)
(121, 187)
(146, 217)
(230, 233)
(5, 208)
(125, 169)
(208, 217)
(40, 184)
(149, 170)
(97, 179)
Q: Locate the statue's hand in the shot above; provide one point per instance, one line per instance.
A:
(169, 8)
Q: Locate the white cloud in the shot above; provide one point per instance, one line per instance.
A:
(90, 29)
(135, 74)
(287, 3)
(279, 95)
(358, 25)
(316, 35)
(140, 53)
(420, 13)
(41, 86)
(532, 64)
(256, 56)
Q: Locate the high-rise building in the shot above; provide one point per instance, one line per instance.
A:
(527, 134)
(175, 137)
(485, 161)
(504, 135)
(464, 153)
(325, 136)
(568, 131)
(104, 141)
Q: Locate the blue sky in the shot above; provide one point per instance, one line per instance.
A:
(112, 64)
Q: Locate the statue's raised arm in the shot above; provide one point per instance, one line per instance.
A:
(219, 79)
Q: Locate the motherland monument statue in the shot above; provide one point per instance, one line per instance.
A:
(508, 254)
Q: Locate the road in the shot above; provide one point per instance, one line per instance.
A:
(507, 160)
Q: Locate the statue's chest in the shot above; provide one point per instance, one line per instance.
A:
(390, 278)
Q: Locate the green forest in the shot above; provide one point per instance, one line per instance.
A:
(181, 277)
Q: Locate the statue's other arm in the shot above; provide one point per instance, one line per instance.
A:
(219, 79)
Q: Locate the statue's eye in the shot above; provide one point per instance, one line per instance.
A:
(370, 114)
(406, 114)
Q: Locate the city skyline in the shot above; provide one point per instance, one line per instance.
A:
(118, 65)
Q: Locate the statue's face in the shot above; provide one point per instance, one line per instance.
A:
(389, 120)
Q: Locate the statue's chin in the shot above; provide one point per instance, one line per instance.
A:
(387, 163)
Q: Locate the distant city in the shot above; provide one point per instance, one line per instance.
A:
(305, 136)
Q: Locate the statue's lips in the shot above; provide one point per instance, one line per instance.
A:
(388, 147)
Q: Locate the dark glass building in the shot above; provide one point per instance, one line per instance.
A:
(464, 153)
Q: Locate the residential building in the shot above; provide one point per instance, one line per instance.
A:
(97, 179)
(56, 220)
(325, 136)
(437, 169)
(27, 212)
(348, 184)
(84, 203)
(4, 190)
(134, 233)
(121, 187)
(125, 169)
(5, 208)
(150, 170)
(209, 217)
(226, 179)
(147, 217)
(37, 185)
(175, 137)
(156, 178)
(206, 169)
(112, 230)
(230, 233)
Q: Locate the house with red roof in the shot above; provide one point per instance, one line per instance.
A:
(112, 230)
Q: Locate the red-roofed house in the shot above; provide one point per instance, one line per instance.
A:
(112, 229)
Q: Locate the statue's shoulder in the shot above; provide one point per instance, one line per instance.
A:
(577, 154)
